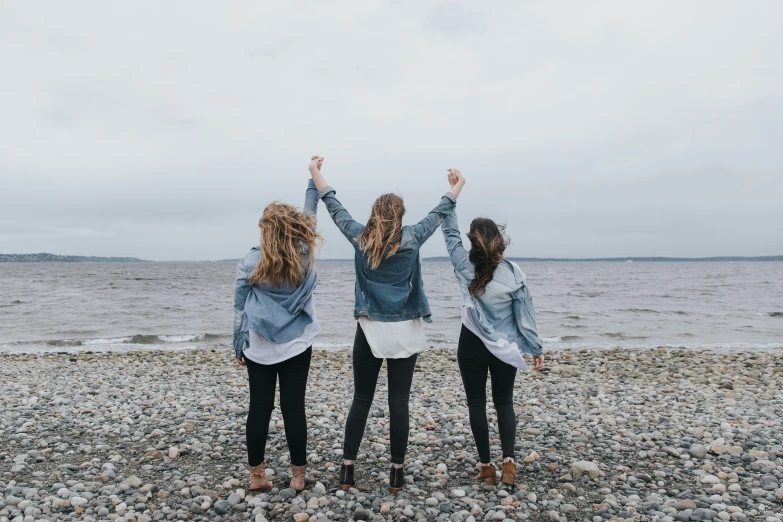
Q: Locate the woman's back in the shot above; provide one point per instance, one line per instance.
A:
(389, 289)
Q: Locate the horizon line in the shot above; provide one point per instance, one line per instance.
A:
(81, 258)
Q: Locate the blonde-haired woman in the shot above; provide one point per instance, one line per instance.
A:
(274, 326)
(389, 305)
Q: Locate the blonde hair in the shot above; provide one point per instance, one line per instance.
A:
(382, 235)
(284, 230)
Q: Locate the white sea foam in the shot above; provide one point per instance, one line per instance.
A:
(114, 340)
(182, 338)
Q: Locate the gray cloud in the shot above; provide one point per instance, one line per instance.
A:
(592, 129)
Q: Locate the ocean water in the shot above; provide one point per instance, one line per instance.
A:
(131, 306)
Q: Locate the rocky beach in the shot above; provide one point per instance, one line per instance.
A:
(602, 435)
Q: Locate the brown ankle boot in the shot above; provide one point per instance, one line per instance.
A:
(487, 473)
(297, 477)
(258, 480)
(509, 474)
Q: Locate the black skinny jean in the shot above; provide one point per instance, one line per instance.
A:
(366, 368)
(474, 362)
(293, 381)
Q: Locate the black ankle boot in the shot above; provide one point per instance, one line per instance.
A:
(396, 476)
(346, 477)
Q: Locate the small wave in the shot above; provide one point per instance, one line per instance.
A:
(182, 338)
(144, 339)
(554, 339)
(133, 339)
(112, 340)
(64, 342)
(617, 335)
(643, 310)
(776, 314)
(574, 317)
(569, 338)
(677, 312)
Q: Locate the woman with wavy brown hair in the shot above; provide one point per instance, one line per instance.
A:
(274, 327)
(498, 326)
(390, 305)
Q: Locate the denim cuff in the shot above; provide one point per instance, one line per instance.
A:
(327, 189)
(310, 183)
(450, 196)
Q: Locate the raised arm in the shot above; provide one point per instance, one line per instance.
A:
(311, 199)
(315, 173)
(341, 217)
(453, 238)
(426, 227)
(241, 289)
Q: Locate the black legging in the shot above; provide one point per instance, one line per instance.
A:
(474, 360)
(365, 376)
(293, 381)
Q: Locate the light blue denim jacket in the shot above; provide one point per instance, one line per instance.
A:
(506, 308)
(394, 291)
(277, 313)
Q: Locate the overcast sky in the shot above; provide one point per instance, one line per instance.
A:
(160, 130)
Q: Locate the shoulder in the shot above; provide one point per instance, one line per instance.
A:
(513, 268)
(407, 234)
(251, 258)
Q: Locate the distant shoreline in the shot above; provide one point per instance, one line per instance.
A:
(54, 258)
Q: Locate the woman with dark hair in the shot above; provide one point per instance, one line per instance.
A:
(498, 326)
(389, 307)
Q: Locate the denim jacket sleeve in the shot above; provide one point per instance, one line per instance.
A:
(311, 199)
(347, 225)
(426, 227)
(525, 315)
(453, 238)
(241, 289)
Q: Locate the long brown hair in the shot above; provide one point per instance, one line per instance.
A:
(284, 231)
(487, 244)
(382, 234)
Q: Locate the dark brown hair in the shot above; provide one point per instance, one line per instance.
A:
(382, 234)
(487, 244)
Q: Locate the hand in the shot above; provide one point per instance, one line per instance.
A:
(241, 361)
(538, 362)
(455, 177)
(316, 162)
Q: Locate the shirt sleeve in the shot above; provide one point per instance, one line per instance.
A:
(453, 238)
(427, 226)
(525, 316)
(241, 290)
(341, 217)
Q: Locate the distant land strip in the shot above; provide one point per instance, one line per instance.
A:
(54, 258)
(49, 258)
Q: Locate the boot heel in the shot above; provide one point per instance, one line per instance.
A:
(488, 474)
(346, 477)
(396, 476)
